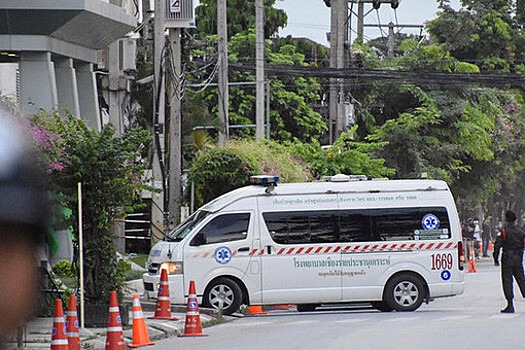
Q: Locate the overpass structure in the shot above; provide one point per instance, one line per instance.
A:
(55, 45)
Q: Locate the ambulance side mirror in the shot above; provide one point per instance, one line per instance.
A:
(199, 239)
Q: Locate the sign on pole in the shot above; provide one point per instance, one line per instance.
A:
(175, 6)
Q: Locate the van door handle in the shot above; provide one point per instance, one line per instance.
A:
(244, 249)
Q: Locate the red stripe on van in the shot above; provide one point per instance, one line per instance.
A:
(309, 250)
(338, 248)
(449, 245)
(299, 250)
(281, 251)
(254, 251)
(318, 250)
(290, 251)
(327, 249)
(430, 246)
(439, 245)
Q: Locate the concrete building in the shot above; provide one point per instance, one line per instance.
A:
(49, 48)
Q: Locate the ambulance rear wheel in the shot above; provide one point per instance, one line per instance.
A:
(404, 292)
(306, 307)
(223, 294)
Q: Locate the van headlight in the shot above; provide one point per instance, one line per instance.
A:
(173, 268)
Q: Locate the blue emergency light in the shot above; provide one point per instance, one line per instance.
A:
(264, 180)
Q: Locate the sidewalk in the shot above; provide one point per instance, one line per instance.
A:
(37, 332)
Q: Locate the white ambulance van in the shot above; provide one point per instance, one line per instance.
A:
(393, 243)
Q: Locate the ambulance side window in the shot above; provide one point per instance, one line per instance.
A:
(355, 226)
(226, 228)
(302, 227)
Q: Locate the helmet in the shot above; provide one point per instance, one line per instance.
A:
(23, 185)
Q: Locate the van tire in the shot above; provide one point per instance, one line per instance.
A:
(223, 294)
(306, 307)
(404, 292)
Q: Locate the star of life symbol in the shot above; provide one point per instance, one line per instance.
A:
(192, 305)
(430, 222)
(223, 255)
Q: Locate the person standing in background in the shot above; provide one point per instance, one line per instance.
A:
(486, 234)
(510, 240)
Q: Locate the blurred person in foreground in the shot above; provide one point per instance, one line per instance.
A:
(23, 224)
(510, 239)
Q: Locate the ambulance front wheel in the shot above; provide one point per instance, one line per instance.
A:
(223, 294)
(404, 292)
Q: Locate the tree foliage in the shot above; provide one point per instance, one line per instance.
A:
(241, 17)
(109, 169)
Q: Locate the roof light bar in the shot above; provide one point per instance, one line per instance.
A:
(264, 180)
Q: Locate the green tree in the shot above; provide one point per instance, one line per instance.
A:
(241, 17)
(109, 167)
(484, 32)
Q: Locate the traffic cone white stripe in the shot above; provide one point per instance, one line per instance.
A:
(114, 309)
(59, 319)
(163, 298)
(114, 329)
(59, 342)
(192, 313)
(71, 334)
(72, 313)
(138, 314)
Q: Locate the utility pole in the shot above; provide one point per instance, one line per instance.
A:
(376, 4)
(157, 206)
(342, 15)
(259, 69)
(332, 98)
(390, 41)
(175, 148)
(391, 34)
(360, 21)
(224, 94)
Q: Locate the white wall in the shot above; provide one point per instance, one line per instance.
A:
(8, 80)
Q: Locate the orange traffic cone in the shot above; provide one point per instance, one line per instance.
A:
(163, 308)
(192, 326)
(114, 337)
(256, 310)
(140, 331)
(491, 247)
(59, 338)
(472, 262)
(72, 324)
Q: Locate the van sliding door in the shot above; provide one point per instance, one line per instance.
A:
(300, 255)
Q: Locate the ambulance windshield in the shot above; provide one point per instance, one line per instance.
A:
(187, 226)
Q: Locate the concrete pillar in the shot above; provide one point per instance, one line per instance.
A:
(87, 95)
(67, 86)
(116, 89)
(38, 87)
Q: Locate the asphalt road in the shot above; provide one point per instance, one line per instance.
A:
(469, 321)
